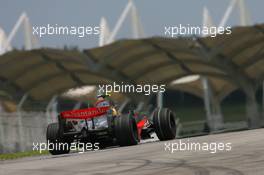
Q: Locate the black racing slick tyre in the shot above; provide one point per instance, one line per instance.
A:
(56, 144)
(126, 130)
(164, 124)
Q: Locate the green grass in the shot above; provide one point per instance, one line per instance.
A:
(10, 156)
(231, 112)
(188, 114)
(234, 112)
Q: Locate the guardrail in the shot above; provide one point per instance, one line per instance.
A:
(18, 131)
(196, 128)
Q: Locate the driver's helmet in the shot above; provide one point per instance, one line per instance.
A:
(102, 102)
(105, 102)
(102, 93)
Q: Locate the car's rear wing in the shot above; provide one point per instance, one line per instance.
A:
(84, 113)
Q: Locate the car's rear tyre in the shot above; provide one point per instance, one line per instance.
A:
(126, 130)
(56, 144)
(164, 124)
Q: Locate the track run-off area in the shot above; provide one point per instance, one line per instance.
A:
(245, 158)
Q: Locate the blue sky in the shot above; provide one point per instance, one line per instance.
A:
(154, 14)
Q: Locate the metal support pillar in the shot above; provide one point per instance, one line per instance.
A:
(207, 19)
(105, 32)
(263, 103)
(4, 45)
(140, 106)
(120, 22)
(54, 111)
(48, 108)
(212, 107)
(212, 104)
(2, 133)
(227, 13)
(160, 99)
(27, 34)
(207, 102)
(134, 22)
(20, 123)
(137, 27)
(217, 114)
(252, 108)
(123, 105)
(253, 114)
(15, 29)
(244, 14)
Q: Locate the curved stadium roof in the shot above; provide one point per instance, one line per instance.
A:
(229, 62)
(45, 72)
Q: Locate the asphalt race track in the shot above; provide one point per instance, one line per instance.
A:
(246, 157)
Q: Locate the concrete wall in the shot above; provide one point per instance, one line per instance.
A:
(17, 134)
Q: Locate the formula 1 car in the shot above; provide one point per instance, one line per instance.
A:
(105, 126)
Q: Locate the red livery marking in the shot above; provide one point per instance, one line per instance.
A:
(84, 113)
(140, 126)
